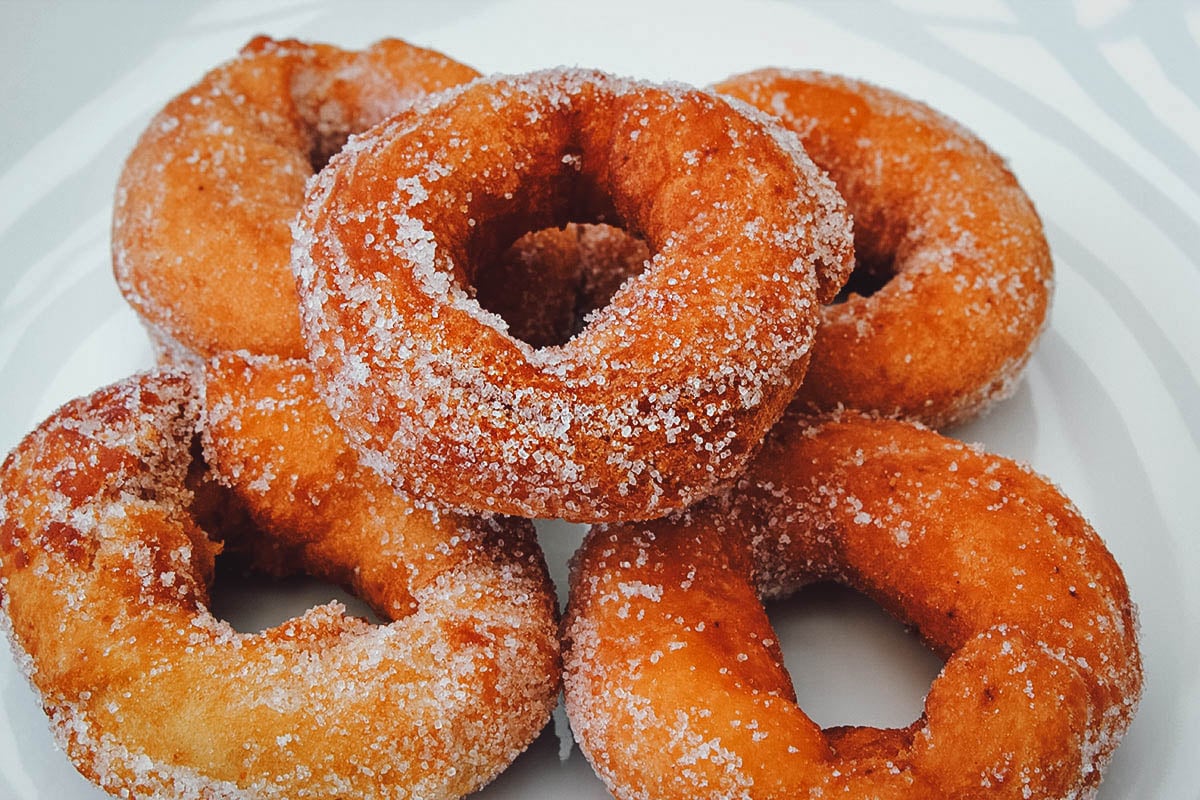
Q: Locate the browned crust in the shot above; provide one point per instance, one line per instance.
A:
(105, 575)
(674, 681)
(203, 208)
(669, 388)
(951, 332)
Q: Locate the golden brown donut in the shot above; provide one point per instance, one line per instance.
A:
(942, 224)
(670, 386)
(674, 680)
(105, 575)
(203, 206)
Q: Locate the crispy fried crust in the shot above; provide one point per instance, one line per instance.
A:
(201, 220)
(941, 219)
(675, 684)
(668, 389)
(105, 576)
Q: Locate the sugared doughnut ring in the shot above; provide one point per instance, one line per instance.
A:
(105, 574)
(674, 679)
(667, 390)
(201, 220)
(548, 282)
(942, 224)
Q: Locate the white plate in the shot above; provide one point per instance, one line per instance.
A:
(1095, 104)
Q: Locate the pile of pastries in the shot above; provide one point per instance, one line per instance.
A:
(401, 309)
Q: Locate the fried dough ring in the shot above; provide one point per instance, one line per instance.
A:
(667, 390)
(201, 220)
(675, 685)
(105, 575)
(941, 219)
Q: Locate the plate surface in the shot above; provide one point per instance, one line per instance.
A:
(1096, 105)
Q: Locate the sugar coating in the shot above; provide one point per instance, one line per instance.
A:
(675, 685)
(668, 388)
(203, 207)
(105, 572)
(940, 217)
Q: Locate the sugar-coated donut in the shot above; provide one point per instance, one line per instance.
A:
(203, 207)
(669, 387)
(105, 575)
(943, 225)
(675, 685)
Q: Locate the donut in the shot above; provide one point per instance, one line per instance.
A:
(674, 680)
(203, 207)
(953, 277)
(105, 571)
(668, 388)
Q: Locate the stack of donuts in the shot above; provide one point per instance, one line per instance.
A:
(402, 309)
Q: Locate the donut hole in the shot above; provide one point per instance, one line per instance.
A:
(327, 128)
(851, 663)
(324, 148)
(327, 113)
(872, 271)
(548, 283)
(322, 121)
(249, 587)
(252, 601)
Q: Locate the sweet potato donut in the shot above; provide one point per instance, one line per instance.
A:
(105, 574)
(674, 681)
(669, 387)
(203, 207)
(942, 224)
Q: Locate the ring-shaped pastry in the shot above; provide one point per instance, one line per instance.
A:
(666, 391)
(201, 221)
(674, 679)
(105, 570)
(953, 282)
